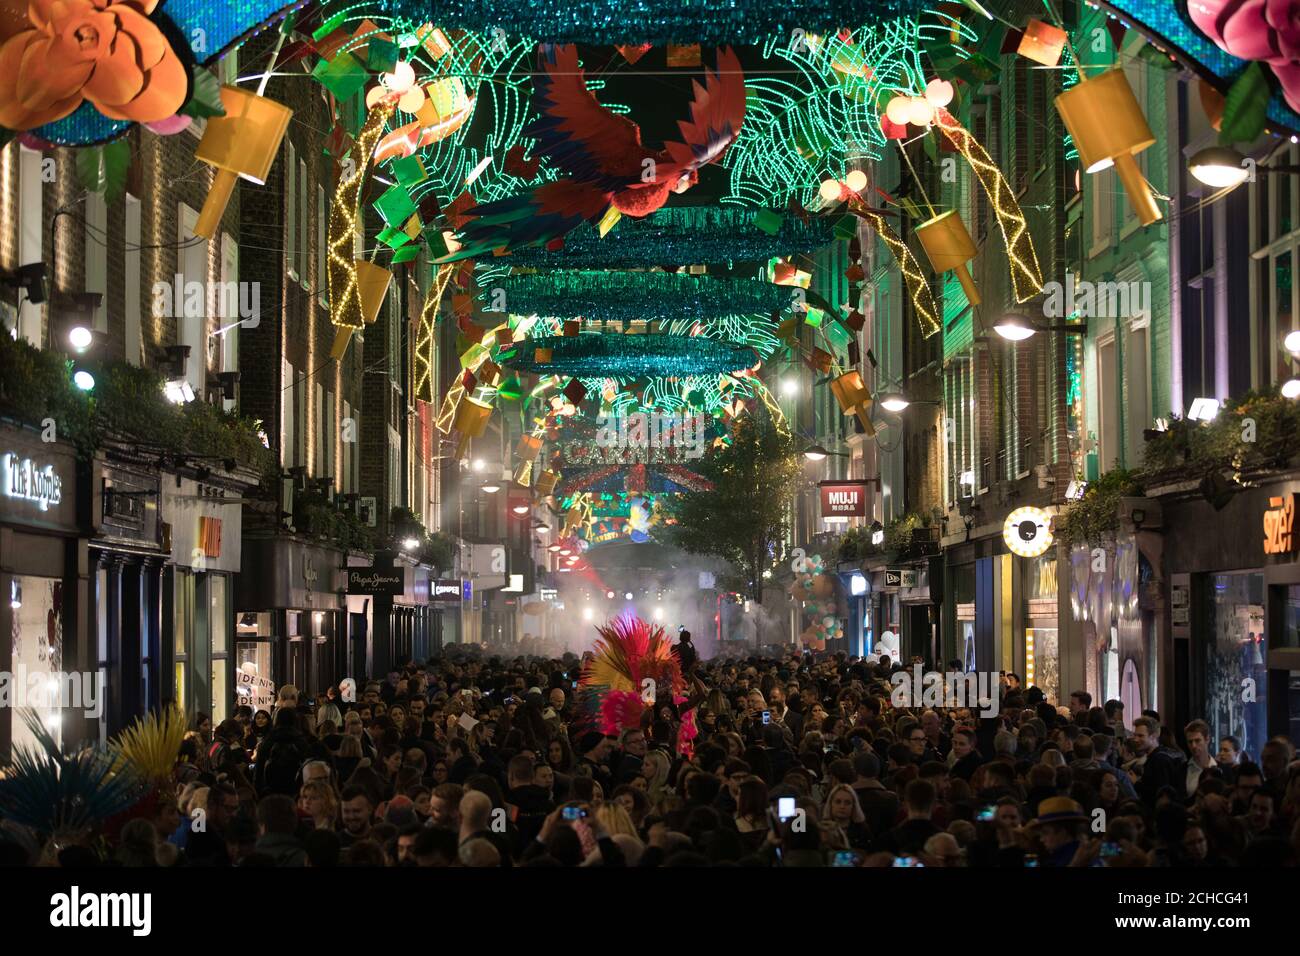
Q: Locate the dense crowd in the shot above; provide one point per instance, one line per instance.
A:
(804, 761)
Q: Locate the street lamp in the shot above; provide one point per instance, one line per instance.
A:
(1017, 328)
(521, 509)
(789, 387)
(491, 488)
(1221, 167)
(410, 544)
(816, 452)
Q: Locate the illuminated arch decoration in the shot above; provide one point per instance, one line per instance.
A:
(639, 296)
(345, 218)
(1026, 276)
(219, 25)
(657, 22)
(801, 130)
(425, 340)
(650, 479)
(678, 236)
(653, 355)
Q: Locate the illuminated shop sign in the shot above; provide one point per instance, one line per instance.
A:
(1279, 525)
(1028, 532)
(25, 479)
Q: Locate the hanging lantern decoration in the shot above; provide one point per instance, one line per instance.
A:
(471, 421)
(372, 282)
(242, 143)
(528, 448)
(1108, 128)
(949, 248)
(546, 482)
(854, 398)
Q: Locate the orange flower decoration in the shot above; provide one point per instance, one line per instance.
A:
(109, 53)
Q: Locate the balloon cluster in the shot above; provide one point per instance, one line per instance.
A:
(816, 590)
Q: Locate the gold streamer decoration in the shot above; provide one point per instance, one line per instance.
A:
(425, 338)
(1026, 276)
(918, 287)
(345, 216)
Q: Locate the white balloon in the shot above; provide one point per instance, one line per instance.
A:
(899, 109)
(919, 111)
(938, 92)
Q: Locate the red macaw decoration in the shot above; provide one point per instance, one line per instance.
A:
(603, 156)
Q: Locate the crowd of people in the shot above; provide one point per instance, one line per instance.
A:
(479, 761)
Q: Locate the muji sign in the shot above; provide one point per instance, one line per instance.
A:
(844, 499)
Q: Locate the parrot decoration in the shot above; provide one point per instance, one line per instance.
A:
(606, 165)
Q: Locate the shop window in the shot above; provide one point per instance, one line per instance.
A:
(219, 628)
(37, 650)
(254, 684)
(1108, 431)
(1236, 652)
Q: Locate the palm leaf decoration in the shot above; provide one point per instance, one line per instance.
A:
(50, 792)
(149, 747)
(628, 652)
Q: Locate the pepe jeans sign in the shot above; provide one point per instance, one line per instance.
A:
(25, 479)
(639, 439)
(376, 581)
(1279, 525)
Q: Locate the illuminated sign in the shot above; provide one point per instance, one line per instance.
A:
(1027, 532)
(844, 499)
(639, 439)
(1279, 525)
(449, 590)
(376, 581)
(25, 479)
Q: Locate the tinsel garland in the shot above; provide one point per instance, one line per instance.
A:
(657, 22)
(632, 355)
(683, 236)
(631, 296)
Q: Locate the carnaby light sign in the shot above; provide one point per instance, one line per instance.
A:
(639, 439)
(844, 499)
(31, 481)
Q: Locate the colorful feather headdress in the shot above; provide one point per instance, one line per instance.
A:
(633, 665)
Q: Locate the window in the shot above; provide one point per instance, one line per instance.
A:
(300, 421)
(219, 618)
(232, 313)
(97, 256)
(1108, 420)
(1236, 650)
(322, 436)
(304, 224)
(31, 233)
(291, 211)
(288, 391)
(131, 267)
(346, 448)
(1275, 211)
(1137, 404)
(191, 325)
(322, 267)
(1101, 196)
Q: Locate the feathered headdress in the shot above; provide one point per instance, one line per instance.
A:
(633, 664)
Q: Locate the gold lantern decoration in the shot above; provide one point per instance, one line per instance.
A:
(241, 143)
(949, 248)
(1108, 128)
(523, 476)
(373, 281)
(471, 421)
(546, 482)
(854, 399)
(528, 448)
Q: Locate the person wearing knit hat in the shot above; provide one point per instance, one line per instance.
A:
(400, 811)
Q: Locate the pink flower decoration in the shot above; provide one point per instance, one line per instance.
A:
(1264, 30)
(619, 711)
(171, 125)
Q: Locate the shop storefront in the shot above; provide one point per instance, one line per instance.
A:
(39, 558)
(1039, 650)
(291, 617)
(204, 521)
(1234, 611)
(130, 579)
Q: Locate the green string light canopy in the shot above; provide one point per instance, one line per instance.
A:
(633, 296)
(657, 22)
(606, 355)
(680, 236)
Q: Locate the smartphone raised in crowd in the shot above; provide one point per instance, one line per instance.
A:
(845, 858)
(767, 716)
(574, 813)
(907, 861)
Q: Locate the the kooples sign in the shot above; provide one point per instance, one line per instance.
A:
(376, 581)
(24, 478)
(845, 499)
(1279, 525)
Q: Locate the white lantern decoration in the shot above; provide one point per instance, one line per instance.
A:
(899, 109)
(938, 92)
